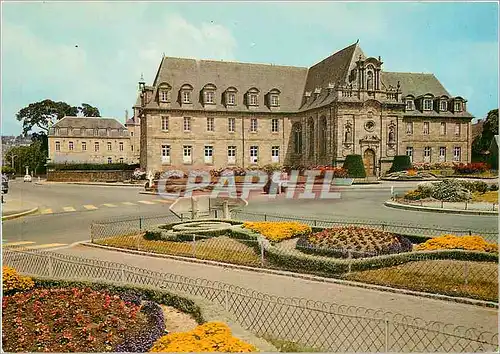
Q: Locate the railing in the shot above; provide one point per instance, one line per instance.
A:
(326, 326)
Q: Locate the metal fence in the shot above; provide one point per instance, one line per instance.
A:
(325, 326)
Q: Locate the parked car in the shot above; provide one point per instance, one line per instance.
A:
(5, 184)
(27, 178)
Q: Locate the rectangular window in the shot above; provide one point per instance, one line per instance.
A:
(96, 146)
(409, 128)
(253, 100)
(209, 97)
(275, 125)
(231, 98)
(443, 105)
(427, 154)
(210, 124)
(186, 153)
(58, 146)
(209, 154)
(186, 97)
(427, 105)
(458, 106)
(187, 124)
(275, 154)
(409, 152)
(109, 146)
(231, 125)
(254, 154)
(457, 129)
(231, 154)
(164, 96)
(274, 100)
(120, 145)
(84, 146)
(70, 146)
(409, 105)
(442, 129)
(131, 133)
(165, 154)
(442, 154)
(110, 160)
(164, 123)
(457, 153)
(253, 125)
(121, 159)
(426, 128)
(131, 147)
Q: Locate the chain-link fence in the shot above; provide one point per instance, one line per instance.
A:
(325, 326)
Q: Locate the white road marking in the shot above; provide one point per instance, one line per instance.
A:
(69, 209)
(10, 244)
(47, 211)
(145, 202)
(110, 205)
(90, 207)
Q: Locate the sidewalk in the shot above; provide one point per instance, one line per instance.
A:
(284, 286)
(16, 207)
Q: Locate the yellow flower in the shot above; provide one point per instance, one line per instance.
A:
(14, 281)
(470, 243)
(278, 231)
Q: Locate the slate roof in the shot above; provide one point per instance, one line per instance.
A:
(88, 123)
(416, 84)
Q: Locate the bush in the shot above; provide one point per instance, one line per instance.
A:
(209, 337)
(7, 170)
(400, 163)
(471, 168)
(470, 243)
(451, 190)
(92, 167)
(414, 195)
(278, 230)
(354, 241)
(13, 281)
(354, 166)
(494, 187)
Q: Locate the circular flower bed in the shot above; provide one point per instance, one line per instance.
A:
(209, 337)
(353, 241)
(470, 243)
(78, 320)
(278, 230)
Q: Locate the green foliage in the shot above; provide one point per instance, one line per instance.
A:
(7, 170)
(354, 166)
(92, 167)
(481, 144)
(400, 163)
(33, 156)
(37, 115)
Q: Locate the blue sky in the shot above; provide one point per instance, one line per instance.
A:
(458, 42)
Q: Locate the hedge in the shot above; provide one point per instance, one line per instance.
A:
(354, 166)
(92, 167)
(400, 163)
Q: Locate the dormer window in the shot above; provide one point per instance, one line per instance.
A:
(427, 104)
(209, 94)
(230, 96)
(253, 96)
(273, 98)
(186, 91)
(164, 92)
(443, 105)
(458, 106)
(409, 105)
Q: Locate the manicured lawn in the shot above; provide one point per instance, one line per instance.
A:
(438, 276)
(222, 248)
(489, 197)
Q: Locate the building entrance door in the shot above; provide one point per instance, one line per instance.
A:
(369, 162)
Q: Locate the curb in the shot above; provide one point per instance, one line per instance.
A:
(94, 184)
(395, 205)
(461, 300)
(18, 215)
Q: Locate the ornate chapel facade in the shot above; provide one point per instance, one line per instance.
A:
(203, 114)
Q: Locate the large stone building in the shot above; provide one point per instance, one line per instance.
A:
(202, 114)
(91, 140)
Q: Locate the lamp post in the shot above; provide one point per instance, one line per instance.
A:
(12, 158)
(142, 89)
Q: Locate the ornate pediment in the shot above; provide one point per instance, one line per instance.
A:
(370, 138)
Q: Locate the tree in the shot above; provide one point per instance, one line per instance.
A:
(40, 114)
(400, 163)
(33, 156)
(481, 144)
(354, 166)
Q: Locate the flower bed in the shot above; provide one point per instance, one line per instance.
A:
(450, 190)
(470, 168)
(353, 241)
(76, 320)
(470, 243)
(12, 281)
(278, 230)
(209, 337)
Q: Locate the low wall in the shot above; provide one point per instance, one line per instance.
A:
(89, 176)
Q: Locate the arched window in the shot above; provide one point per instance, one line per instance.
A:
(297, 138)
(369, 80)
(323, 132)
(311, 136)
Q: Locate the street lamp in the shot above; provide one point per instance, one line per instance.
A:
(12, 157)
